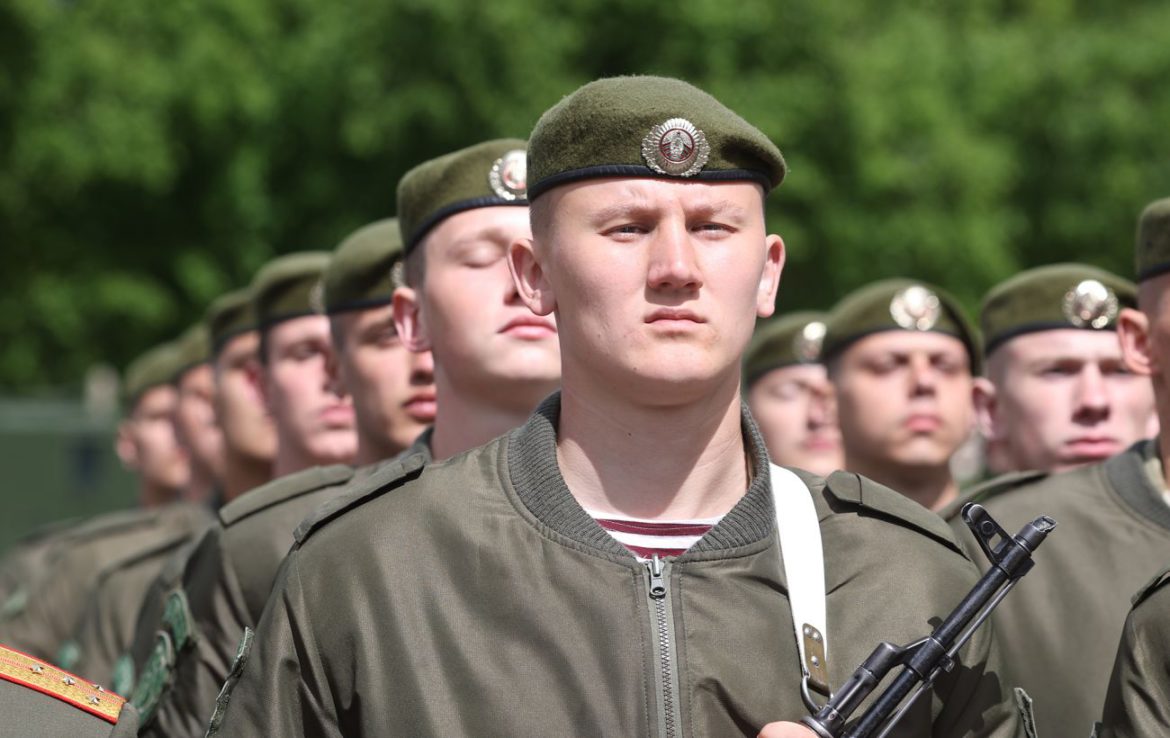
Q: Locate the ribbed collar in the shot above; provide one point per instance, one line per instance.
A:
(1127, 475)
(536, 477)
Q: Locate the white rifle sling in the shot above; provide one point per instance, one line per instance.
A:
(804, 570)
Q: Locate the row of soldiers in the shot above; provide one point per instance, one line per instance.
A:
(523, 445)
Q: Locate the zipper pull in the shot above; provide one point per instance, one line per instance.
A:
(657, 584)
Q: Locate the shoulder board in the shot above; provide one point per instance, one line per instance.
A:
(112, 523)
(866, 493)
(1151, 586)
(285, 488)
(165, 545)
(997, 486)
(380, 481)
(45, 678)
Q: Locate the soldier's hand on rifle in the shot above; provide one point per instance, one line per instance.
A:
(786, 730)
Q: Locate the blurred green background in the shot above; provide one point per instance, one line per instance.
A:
(152, 155)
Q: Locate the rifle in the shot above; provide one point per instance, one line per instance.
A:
(924, 660)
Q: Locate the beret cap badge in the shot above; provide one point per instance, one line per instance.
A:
(509, 175)
(676, 147)
(807, 343)
(317, 298)
(1090, 304)
(915, 308)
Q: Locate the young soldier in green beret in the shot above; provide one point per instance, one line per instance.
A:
(494, 359)
(195, 427)
(313, 417)
(57, 600)
(1057, 392)
(1060, 630)
(902, 357)
(789, 394)
(226, 580)
(491, 593)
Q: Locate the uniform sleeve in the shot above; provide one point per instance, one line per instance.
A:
(1138, 701)
(976, 699)
(278, 683)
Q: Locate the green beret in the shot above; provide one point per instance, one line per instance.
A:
(789, 339)
(358, 276)
(228, 316)
(1051, 297)
(647, 127)
(194, 348)
(288, 287)
(486, 175)
(1152, 250)
(898, 304)
(153, 368)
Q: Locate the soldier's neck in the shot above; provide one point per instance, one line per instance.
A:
(664, 462)
(465, 418)
(202, 486)
(243, 473)
(151, 495)
(932, 487)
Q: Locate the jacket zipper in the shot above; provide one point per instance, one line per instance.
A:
(662, 632)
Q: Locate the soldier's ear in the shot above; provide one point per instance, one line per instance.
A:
(125, 446)
(1133, 331)
(409, 320)
(986, 416)
(529, 278)
(770, 277)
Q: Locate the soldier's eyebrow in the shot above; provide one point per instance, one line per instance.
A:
(622, 211)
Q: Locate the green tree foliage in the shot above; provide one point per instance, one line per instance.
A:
(154, 154)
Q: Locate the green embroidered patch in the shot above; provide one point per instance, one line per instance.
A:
(177, 619)
(123, 681)
(233, 677)
(68, 655)
(156, 674)
(15, 604)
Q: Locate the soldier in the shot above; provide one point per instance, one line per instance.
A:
(249, 439)
(195, 427)
(1137, 703)
(313, 418)
(50, 615)
(1061, 629)
(37, 699)
(1057, 392)
(789, 393)
(146, 441)
(901, 357)
(493, 603)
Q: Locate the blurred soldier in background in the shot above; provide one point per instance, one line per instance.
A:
(313, 417)
(902, 357)
(195, 425)
(1057, 392)
(82, 557)
(249, 439)
(789, 393)
(1060, 631)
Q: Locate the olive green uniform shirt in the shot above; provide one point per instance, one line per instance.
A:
(1059, 628)
(57, 600)
(476, 597)
(1138, 701)
(226, 582)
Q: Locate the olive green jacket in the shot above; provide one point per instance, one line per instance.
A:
(58, 598)
(1137, 703)
(476, 597)
(225, 583)
(1059, 628)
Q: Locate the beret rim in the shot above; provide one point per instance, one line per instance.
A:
(350, 306)
(453, 209)
(1156, 270)
(1039, 326)
(273, 320)
(831, 351)
(602, 171)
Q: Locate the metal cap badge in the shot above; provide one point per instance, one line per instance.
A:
(807, 343)
(915, 308)
(676, 147)
(317, 297)
(1090, 304)
(509, 175)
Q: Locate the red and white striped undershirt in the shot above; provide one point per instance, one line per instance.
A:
(648, 537)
